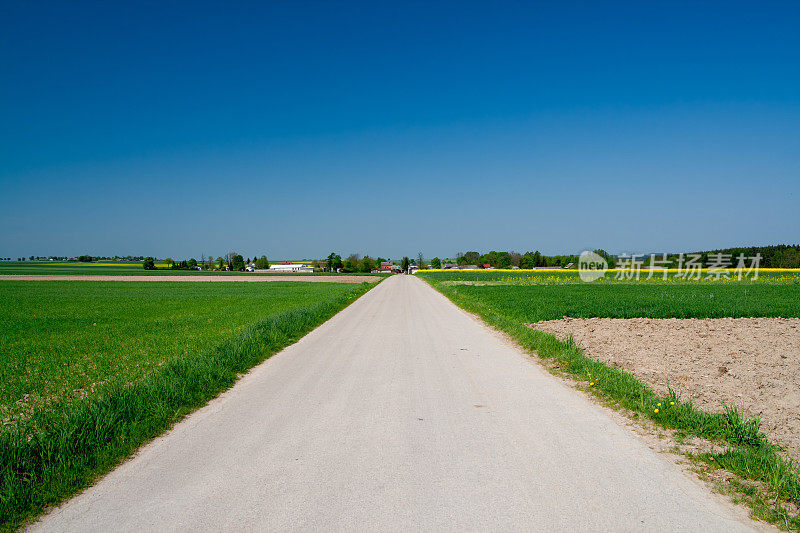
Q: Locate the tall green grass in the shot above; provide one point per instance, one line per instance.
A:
(62, 447)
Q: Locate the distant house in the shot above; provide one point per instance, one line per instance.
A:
(487, 265)
(449, 265)
(387, 266)
(469, 267)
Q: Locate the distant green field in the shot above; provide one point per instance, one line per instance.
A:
(91, 370)
(554, 277)
(134, 269)
(533, 296)
(629, 300)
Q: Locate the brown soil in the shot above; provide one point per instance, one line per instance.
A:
(322, 279)
(752, 363)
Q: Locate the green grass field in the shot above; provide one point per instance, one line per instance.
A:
(61, 339)
(133, 269)
(508, 303)
(531, 303)
(91, 370)
(556, 277)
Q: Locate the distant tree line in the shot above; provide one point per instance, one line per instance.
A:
(353, 263)
(232, 261)
(190, 264)
(495, 259)
(777, 256)
(85, 258)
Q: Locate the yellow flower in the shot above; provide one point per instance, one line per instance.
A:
(655, 411)
(659, 404)
(672, 403)
(592, 383)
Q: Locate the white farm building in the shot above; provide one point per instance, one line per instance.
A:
(288, 267)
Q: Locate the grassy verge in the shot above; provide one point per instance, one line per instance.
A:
(747, 452)
(62, 448)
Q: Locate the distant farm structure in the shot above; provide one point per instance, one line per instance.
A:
(287, 267)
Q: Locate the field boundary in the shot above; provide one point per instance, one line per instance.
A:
(746, 452)
(58, 452)
(192, 278)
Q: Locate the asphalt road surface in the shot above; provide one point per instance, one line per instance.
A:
(400, 413)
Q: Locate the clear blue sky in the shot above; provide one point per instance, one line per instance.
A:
(389, 128)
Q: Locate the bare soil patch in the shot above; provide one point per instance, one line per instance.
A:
(752, 363)
(320, 279)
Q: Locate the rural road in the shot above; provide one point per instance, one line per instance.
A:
(400, 413)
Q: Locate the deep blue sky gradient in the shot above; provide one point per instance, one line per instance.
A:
(297, 128)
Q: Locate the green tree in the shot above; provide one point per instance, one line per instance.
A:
(605, 255)
(786, 258)
(334, 262)
(237, 262)
(489, 259)
(472, 258)
(192, 262)
(436, 263)
(502, 260)
(149, 263)
(262, 263)
(367, 264)
(351, 263)
(404, 264)
(527, 261)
